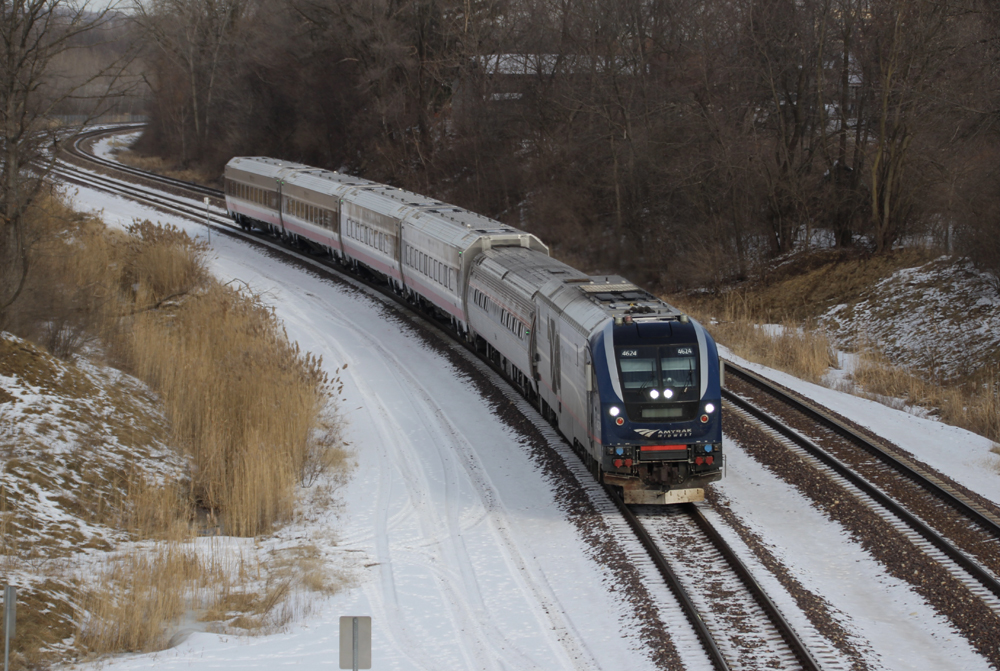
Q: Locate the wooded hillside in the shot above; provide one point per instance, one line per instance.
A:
(680, 141)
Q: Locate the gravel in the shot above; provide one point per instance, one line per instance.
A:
(902, 559)
(821, 614)
(946, 520)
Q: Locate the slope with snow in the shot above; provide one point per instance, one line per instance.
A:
(942, 317)
(450, 531)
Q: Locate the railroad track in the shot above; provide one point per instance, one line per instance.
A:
(653, 529)
(75, 149)
(962, 529)
(926, 530)
(718, 593)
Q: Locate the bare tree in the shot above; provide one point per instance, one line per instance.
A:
(909, 46)
(34, 36)
(197, 39)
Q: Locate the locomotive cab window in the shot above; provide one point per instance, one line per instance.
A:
(638, 372)
(659, 383)
(678, 366)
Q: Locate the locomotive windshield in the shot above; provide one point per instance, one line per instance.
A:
(678, 366)
(659, 383)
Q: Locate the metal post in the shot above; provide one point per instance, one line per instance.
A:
(355, 644)
(9, 605)
(206, 221)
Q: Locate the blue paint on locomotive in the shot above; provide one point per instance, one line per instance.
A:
(637, 430)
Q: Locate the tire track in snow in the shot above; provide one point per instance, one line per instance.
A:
(455, 451)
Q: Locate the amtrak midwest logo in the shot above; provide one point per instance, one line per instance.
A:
(663, 433)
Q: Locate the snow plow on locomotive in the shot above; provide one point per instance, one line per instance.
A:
(630, 381)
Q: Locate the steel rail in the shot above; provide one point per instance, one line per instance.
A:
(966, 508)
(981, 575)
(687, 605)
(792, 640)
(74, 149)
(165, 202)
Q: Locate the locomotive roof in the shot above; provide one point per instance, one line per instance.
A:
(588, 299)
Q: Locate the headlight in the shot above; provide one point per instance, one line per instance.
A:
(653, 393)
(614, 411)
(668, 393)
(709, 407)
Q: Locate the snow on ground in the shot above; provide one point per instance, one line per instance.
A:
(891, 625)
(451, 537)
(56, 417)
(107, 147)
(917, 315)
(961, 455)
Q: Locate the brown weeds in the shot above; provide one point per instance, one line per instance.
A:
(797, 350)
(159, 166)
(241, 399)
(243, 402)
(136, 597)
(802, 351)
(972, 404)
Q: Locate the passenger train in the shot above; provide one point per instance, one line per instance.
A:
(631, 382)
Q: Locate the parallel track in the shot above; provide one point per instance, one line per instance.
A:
(75, 150)
(797, 648)
(981, 518)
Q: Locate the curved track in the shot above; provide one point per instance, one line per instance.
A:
(794, 653)
(76, 150)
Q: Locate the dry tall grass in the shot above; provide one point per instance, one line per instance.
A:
(971, 404)
(799, 351)
(158, 165)
(245, 404)
(242, 400)
(136, 596)
(141, 595)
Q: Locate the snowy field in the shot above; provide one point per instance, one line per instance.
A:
(450, 535)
